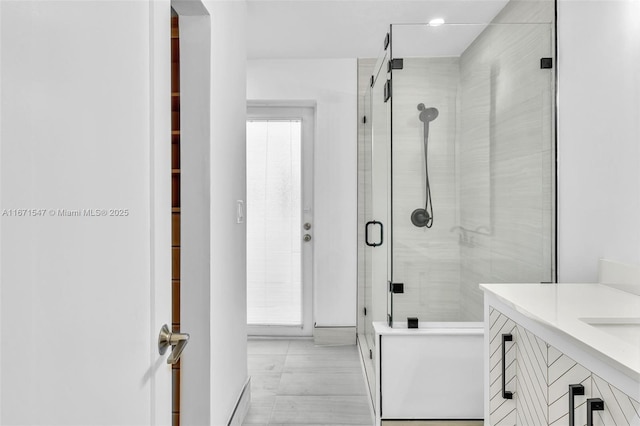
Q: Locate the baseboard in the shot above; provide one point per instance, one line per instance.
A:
(334, 336)
(242, 406)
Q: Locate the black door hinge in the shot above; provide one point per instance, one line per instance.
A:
(365, 311)
(387, 90)
(371, 81)
(395, 64)
(387, 40)
(389, 320)
(396, 287)
(546, 63)
(364, 119)
(370, 354)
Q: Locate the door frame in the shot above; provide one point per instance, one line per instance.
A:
(305, 111)
(196, 268)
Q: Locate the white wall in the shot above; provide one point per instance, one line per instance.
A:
(599, 136)
(228, 239)
(332, 83)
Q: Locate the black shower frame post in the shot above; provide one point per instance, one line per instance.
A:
(390, 207)
(556, 102)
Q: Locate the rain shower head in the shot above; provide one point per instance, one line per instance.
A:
(427, 114)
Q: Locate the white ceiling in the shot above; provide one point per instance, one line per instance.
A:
(296, 29)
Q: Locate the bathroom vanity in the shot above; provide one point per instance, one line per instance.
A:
(561, 354)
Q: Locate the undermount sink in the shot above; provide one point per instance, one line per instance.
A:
(627, 329)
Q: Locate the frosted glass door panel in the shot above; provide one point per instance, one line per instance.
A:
(274, 229)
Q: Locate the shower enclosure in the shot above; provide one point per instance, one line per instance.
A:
(456, 170)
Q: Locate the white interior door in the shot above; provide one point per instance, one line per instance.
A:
(84, 197)
(279, 220)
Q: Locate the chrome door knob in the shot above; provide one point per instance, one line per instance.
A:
(307, 238)
(307, 226)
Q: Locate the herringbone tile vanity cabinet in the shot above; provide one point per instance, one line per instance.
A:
(538, 377)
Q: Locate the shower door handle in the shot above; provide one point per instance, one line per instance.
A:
(505, 393)
(366, 233)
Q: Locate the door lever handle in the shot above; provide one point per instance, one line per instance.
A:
(176, 340)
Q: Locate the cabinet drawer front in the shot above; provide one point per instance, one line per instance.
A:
(502, 411)
(564, 371)
(619, 408)
(531, 377)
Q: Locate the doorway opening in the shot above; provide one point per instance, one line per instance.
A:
(279, 220)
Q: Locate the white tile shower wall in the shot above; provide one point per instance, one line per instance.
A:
(504, 154)
(425, 260)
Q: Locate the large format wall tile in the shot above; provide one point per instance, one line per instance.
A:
(425, 260)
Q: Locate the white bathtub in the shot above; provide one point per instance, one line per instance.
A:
(432, 372)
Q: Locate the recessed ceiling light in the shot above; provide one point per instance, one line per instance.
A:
(436, 22)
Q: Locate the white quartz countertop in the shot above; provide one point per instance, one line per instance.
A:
(598, 317)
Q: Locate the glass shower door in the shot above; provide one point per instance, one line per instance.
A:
(472, 174)
(380, 156)
(373, 206)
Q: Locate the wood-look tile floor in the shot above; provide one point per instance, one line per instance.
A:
(294, 382)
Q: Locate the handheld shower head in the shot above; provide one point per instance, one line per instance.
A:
(427, 114)
(424, 217)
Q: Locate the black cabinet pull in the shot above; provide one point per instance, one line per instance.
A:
(593, 404)
(366, 233)
(505, 393)
(573, 391)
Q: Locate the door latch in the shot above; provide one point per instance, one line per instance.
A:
(176, 340)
